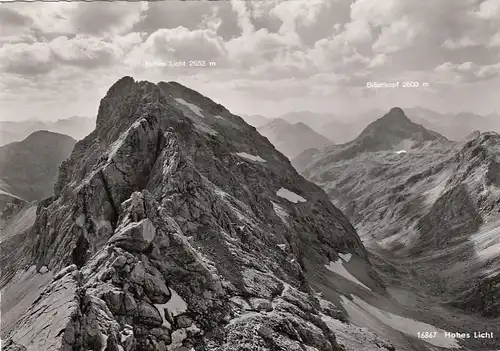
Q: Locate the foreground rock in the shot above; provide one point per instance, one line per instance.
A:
(176, 226)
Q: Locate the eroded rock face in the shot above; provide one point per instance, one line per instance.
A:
(165, 238)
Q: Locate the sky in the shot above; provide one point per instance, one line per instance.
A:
(261, 57)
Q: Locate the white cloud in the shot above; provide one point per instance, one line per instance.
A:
(489, 9)
(298, 13)
(273, 55)
(379, 60)
(463, 42)
(466, 72)
(358, 31)
(179, 44)
(399, 35)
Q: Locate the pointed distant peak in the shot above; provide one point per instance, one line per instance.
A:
(396, 110)
(302, 125)
(396, 113)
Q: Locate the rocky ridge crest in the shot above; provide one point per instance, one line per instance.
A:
(166, 232)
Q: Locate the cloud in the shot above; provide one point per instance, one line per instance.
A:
(81, 51)
(179, 44)
(358, 31)
(11, 18)
(276, 54)
(464, 42)
(98, 18)
(295, 14)
(467, 72)
(26, 59)
(489, 9)
(399, 35)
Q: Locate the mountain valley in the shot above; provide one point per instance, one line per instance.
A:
(427, 209)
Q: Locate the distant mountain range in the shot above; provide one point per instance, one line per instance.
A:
(454, 126)
(342, 129)
(76, 127)
(292, 139)
(256, 121)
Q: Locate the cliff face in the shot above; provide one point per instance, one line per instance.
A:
(174, 226)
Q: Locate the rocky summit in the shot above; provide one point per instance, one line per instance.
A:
(393, 131)
(175, 225)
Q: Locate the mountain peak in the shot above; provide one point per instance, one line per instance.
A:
(178, 205)
(396, 114)
(292, 139)
(397, 110)
(120, 84)
(393, 131)
(396, 125)
(45, 135)
(302, 125)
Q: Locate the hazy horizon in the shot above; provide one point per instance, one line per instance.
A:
(385, 110)
(267, 58)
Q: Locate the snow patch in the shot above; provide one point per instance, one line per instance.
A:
(290, 195)
(176, 305)
(282, 246)
(371, 317)
(250, 157)
(191, 106)
(346, 257)
(338, 267)
(219, 117)
(400, 152)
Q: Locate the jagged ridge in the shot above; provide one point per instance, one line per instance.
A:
(167, 198)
